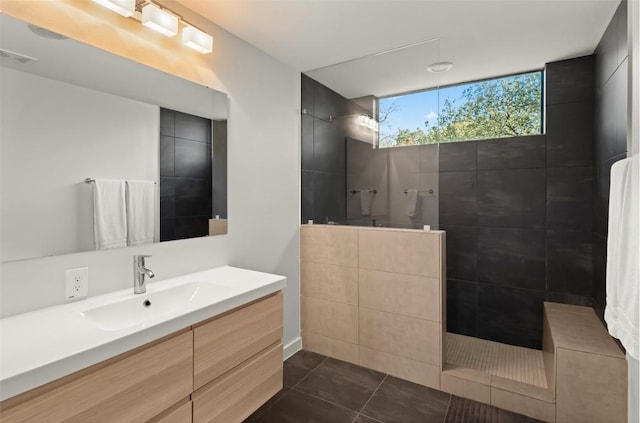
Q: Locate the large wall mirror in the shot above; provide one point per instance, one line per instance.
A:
(71, 113)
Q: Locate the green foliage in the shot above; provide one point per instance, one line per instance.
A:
(409, 137)
(495, 108)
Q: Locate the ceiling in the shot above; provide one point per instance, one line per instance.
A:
(483, 38)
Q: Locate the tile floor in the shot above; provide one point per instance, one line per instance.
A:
(318, 389)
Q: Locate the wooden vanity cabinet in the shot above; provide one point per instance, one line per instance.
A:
(241, 391)
(237, 361)
(224, 342)
(234, 359)
(179, 413)
(133, 387)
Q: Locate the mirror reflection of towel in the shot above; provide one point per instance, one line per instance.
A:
(109, 214)
(365, 202)
(412, 201)
(140, 212)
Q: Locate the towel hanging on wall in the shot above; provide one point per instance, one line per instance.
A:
(109, 214)
(622, 311)
(412, 202)
(365, 202)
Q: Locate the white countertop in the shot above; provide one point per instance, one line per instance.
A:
(44, 345)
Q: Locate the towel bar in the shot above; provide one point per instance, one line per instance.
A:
(430, 191)
(91, 180)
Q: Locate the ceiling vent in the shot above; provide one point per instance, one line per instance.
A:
(20, 58)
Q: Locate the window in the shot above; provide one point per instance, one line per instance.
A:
(503, 107)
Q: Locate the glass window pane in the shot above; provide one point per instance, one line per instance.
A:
(495, 108)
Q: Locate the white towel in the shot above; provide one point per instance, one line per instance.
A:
(365, 202)
(109, 214)
(622, 312)
(140, 212)
(412, 202)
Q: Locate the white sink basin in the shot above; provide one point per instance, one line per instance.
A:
(145, 309)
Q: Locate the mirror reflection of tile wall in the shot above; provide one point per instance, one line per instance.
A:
(185, 175)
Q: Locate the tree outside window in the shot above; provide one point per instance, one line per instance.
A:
(503, 107)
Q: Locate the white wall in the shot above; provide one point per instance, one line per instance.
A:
(50, 146)
(264, 191)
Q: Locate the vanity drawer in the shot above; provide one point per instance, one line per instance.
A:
(133, 387)
(224, 342)
(240, 392)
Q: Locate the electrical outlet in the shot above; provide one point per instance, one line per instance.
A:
(77, 283)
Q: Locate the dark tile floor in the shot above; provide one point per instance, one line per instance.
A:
(318, 389)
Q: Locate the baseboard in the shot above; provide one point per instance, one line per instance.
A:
(292, 347)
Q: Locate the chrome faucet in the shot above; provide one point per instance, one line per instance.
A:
(139, 272)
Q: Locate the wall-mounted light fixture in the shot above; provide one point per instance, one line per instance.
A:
(369, 122)
(159, 20)
(363, 120)
(125, 8)
(162, 20)
(196, 39)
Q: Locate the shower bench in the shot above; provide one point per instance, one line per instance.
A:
(586, 370)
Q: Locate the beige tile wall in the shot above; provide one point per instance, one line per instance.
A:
(404, 368)
(466, 388)
(548, 355)
(401, 294)
(329, 245)
(400, 336)
(329, 282)
(331, 319)
(329, 291)
(344, 351)
(522, 404)
(406, 252)
(374, 297)
(590, 387)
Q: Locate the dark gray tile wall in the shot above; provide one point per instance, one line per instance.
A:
(323, 151)
(458, 197)
(511, 257)
(518, 153)
(610, 140)
(185, 175)
(510, 315)
(512, 198)
(518, 214)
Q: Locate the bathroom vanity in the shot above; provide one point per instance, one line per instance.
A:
(211, 353)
